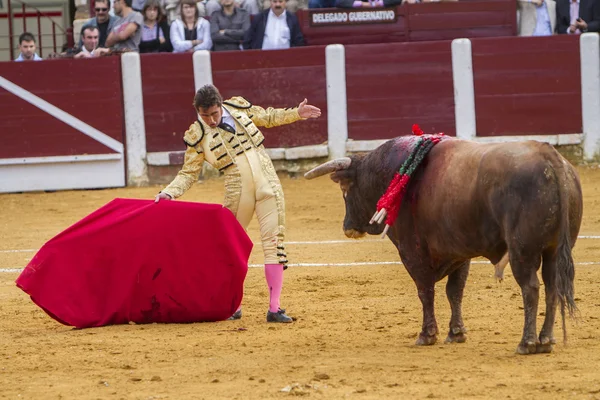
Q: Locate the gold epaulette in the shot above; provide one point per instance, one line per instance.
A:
(238, 102)
(194, 135)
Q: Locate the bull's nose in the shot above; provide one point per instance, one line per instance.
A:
(353, 234)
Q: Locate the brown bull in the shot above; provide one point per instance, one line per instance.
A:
(467, 200)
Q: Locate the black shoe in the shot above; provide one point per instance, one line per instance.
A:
(278, 316)
(236, 315)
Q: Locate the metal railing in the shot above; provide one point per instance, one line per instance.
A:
(28, 11)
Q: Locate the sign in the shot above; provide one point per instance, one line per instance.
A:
(353, 17)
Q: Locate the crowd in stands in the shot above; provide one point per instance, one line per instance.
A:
(151, 26)
(232, 25)
(548, 17)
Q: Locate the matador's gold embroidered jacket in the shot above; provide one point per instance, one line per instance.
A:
(219, 147)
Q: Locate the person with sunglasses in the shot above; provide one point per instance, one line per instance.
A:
(103, 21)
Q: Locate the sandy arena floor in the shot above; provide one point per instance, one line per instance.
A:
(353, 338)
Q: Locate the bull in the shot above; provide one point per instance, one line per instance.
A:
(467, 200)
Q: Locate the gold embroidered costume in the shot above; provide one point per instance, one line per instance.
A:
(251, 183)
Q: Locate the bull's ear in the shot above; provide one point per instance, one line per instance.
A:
(344, 177)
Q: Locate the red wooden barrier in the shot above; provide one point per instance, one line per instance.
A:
(89, 90)
(462, 19)
(281, 79)
(168, 87)
(527, 86)
(392, 86)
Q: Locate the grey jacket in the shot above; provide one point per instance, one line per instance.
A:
(235, 26)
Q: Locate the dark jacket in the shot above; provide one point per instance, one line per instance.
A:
(235, 26)
(255, 35)
(589, 11)
(155, 46)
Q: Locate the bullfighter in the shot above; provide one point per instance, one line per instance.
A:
(226, 135)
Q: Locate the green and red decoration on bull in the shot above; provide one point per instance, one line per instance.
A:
(388, 205)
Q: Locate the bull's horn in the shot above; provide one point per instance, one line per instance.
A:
(330, 166)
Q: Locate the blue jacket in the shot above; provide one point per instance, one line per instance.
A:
(255, 35)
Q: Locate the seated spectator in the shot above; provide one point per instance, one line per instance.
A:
(290, 5)
(228, 26)
(370, 4)
(321, 3)
(27, 48)
(90, 36)
(251, 6)
(127, 32)
(190, 33)
(275, 28)
(138, 5)
(536, 17)
(156, 34)
(577, 16)
(103, 20)
(205, 8)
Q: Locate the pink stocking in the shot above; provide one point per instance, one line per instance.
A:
(274, 275)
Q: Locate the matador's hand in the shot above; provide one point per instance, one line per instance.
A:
(308, 111)
(162, 196)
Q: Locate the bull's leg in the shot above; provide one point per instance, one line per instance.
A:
(549, 276)
(429, 330)
(524, 270)
(454, 291)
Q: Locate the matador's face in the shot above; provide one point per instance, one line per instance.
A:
(211, 115)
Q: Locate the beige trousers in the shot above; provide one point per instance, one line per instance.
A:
(256, 194)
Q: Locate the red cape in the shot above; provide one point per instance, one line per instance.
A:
(134, 260)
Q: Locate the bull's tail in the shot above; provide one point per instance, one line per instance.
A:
(565, 267)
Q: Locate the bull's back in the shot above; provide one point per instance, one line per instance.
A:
(471, 193)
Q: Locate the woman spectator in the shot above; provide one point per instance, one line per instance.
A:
(156, 34)
(190, 33)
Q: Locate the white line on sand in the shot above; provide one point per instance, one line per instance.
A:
(342, 241)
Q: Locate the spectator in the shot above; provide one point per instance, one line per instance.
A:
(577, 16)
(103, 20)
(371, 3)
(90, 36)
(127, 32)
(138, 5)
(27, 48)
(205, 8)
(156, 34)
(321, 3)
(290, 5)
(251, 6)
(536, 17)
(274, 29)
(190, 33)
(228, 26)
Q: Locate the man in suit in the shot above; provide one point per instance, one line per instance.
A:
(577, 16)
(273, 29)
(536, 17)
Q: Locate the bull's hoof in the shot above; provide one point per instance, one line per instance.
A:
(426, 340)
(545, 345)
(543, 348)
(527, 348)
(460, 337)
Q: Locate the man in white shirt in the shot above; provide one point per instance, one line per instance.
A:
(27, 47)
(90, 37)
(274, 29)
